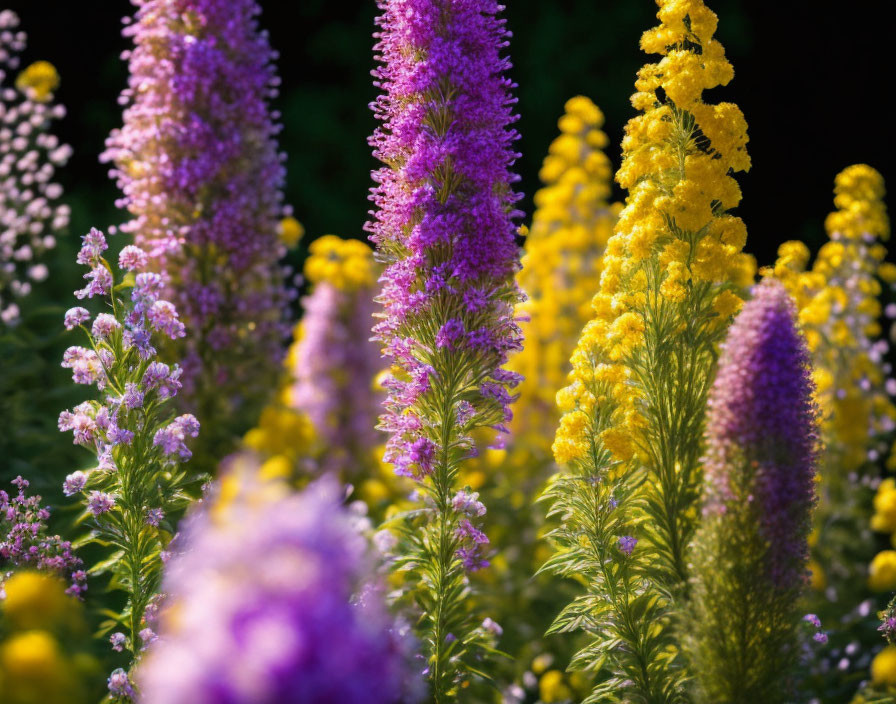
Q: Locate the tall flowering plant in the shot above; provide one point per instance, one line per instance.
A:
(633, 415)
(751, 548)
(839, 301)
(30, 214)
(198, 165)
(138, 485)
(443, 225)
(561, 267)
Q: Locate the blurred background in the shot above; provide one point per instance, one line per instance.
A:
(811, 77)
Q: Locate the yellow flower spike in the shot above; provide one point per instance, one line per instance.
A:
(39, 81)
(671, 275)
(839, 311)
(561, 267)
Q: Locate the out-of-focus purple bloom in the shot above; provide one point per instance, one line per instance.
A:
(761, 419)
(198, 165)
(335, 363)
(118, 640)
(292, 629)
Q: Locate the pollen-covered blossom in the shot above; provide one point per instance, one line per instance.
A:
(30, 215)
(443, 224)
(24, 541)
(201, 175)
(138, 447)
(301, 625)
(751, 548)
(671, 278)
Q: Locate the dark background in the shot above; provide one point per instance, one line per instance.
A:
(811, 77)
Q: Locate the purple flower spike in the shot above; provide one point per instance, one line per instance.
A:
(750, 552)
(761, 413)
(443, 223)
(201, 176)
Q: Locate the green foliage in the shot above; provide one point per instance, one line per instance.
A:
(625, 610)
(741, 632)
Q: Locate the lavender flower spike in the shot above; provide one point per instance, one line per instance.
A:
(751, 550)
(444, 226)
(201, 175)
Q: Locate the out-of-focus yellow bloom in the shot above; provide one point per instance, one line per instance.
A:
(35, 600)
(552, 688)
(884, 518)
(291, 231)
(882, 572)
(346, 264)
(38, 81)
(817, 579)
(34, 670)
(883, 667)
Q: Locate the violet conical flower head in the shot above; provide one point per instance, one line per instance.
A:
(294, 624)
(751, 549)
(201, 175)
(444, 227)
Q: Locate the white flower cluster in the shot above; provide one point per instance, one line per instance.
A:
(30, 213)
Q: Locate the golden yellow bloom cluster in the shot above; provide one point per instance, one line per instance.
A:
(36, 664)
(839, 309)
(561, 266)
(346, 264)
(38, 81)
(672, 270)
(633, 413)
